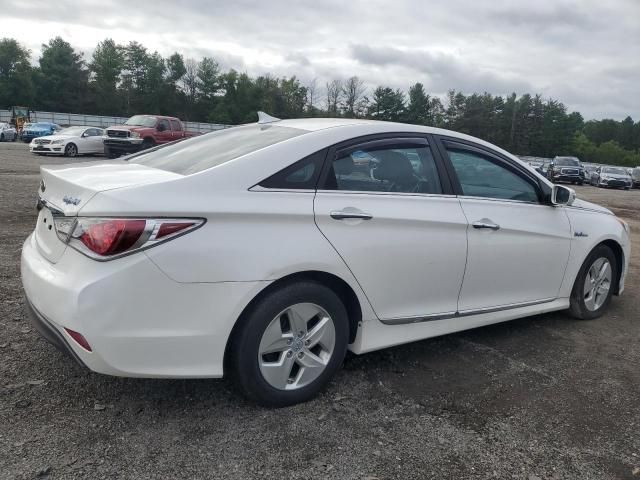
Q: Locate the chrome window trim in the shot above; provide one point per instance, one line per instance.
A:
(463, 313)
(393, 194)
(506, 200)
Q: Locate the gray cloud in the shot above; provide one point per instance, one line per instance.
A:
(582, 52)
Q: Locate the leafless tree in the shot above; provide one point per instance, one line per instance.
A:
(334, 95)
(190, 79)
(312, 94)
(352, 97)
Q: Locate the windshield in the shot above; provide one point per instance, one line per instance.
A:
(567, 162)
(141, 121)
(614, 171)
(215, 148)
(74, 131)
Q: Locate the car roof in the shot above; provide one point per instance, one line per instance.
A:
(376, 126)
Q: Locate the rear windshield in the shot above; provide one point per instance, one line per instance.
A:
(215, 148)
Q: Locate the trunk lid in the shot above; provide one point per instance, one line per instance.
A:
(65, 189)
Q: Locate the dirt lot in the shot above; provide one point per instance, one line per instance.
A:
(538, 398)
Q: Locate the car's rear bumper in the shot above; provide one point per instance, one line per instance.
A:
(138, 322)
(50, 333)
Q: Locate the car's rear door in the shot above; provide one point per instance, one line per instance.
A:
(518, 245)
(176, 129)
(386, 207)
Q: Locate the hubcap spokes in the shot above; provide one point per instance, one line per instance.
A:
(296, 346)
(597, 284)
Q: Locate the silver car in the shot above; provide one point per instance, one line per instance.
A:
(7, 133)
(635, 177)
(616, 177)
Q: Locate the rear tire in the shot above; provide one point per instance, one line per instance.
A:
(594, 285)
(278, 356)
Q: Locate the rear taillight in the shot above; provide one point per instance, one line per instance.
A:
(107, 238)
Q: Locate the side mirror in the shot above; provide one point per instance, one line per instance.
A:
(85, 135)
(561, 195)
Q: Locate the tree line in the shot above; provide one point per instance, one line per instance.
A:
(123, 80)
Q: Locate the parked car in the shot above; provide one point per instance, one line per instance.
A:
(589, 169)
(7, 132)
(141, 132)
(544, 168)
(616, 177)
(69, 142)
(266, 251)
(635, 177)
(38, 129)
(566, 169)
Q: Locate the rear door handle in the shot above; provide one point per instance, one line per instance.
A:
(486, 224)
(342, 215)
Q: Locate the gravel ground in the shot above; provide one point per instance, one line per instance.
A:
(545, 397)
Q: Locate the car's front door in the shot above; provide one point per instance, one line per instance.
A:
(164, 133)
(518, 245)
(91, 141)
(387, 209)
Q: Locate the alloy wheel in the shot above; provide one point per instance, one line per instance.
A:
(296, 346)
(597, 284)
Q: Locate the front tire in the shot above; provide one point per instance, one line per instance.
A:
(71, 150)
(290, 344)
(148, 143)
(594, 284)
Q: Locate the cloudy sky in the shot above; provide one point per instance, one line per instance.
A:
(585, 53)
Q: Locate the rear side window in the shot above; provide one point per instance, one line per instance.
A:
(395, 168)
(176, 126)
(215, 148)
(302, 175)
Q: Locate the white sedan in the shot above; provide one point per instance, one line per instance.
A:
(70, 142)
(269, 250)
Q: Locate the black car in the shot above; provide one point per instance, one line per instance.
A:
(566, 169)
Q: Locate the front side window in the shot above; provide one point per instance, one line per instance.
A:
(481, 176)
(163, 126)
(399, 168)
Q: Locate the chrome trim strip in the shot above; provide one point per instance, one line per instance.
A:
(424, 318)
(463, 313)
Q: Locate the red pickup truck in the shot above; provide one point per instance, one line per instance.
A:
(141, 132)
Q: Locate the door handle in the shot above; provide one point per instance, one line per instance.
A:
(486, 224)
(338, 215)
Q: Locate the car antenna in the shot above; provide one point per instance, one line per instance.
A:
(266, 118)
